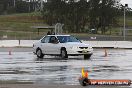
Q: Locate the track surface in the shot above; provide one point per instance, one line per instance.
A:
(23, 66)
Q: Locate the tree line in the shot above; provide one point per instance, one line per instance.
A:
(17, 6)
(79, 15)
(76, 15)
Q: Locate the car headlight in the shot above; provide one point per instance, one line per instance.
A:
(90, 48)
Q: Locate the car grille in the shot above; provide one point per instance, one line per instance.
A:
(83, 47)
(82, 52)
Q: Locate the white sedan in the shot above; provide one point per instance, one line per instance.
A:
(62, 45)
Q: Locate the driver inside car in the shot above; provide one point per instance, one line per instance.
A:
(53, 40)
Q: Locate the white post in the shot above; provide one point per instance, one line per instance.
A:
(14, 3)
(55, 28)
(61, 29)
(124, 32)
(41, 7)
(124, 23)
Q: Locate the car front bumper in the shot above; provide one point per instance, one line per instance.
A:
(79, 51)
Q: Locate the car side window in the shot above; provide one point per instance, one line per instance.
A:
(53, 39)
(45, 39)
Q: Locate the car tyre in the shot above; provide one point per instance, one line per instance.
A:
(64, 54)
(39, 53)
(87, 56)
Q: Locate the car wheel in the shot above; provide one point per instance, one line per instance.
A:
(39, 53)
(64, 53)
(87, 56)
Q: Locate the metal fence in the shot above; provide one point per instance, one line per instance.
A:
(10, 35)
(20, 35)
(35, 36)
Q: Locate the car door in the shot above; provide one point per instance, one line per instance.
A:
(54, 46)
(45, 44)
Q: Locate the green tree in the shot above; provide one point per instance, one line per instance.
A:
(53, 11)
(7, 6)
(73, 14)
(103, 14)
(3, 5)
(81, 11)
(22, 6)
(77, 14)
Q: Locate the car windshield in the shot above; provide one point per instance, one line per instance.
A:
(64, 39)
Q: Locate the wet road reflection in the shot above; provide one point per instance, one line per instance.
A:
(24, 66)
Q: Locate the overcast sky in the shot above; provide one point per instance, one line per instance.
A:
(129, 2)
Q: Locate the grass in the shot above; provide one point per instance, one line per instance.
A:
(128, 21)
(20, 22)
(21, 35)
(17, 26)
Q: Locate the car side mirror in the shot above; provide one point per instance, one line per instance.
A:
(42, 41)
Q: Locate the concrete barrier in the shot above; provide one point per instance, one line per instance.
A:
(27, 43)
(8, 43)
(110, 44)
(17, 43)
(95, 44)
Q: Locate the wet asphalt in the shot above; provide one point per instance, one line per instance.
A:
(23, 66)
